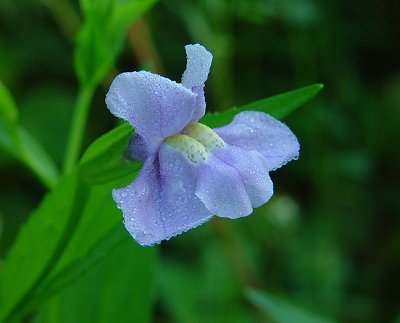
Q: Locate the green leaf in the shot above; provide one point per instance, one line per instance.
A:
(124, 295)
(281, 310)
(99, 217)
(19, 143)
(63, 221)
(38, 244)
(101, 36)
(278, 106)
(8, 109)
(104, 159)
(32, 154)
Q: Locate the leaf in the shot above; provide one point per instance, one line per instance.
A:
(278, 106)
(19, 143)
(8, 109)
(282, 311)
(125, 293)
(63, 221)
(38, 244)
(104, 159)
(101, 36)
(32, 154)
(99, 217)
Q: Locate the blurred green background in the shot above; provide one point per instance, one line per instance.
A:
(329, 240)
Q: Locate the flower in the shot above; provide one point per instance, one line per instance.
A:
(191, 172)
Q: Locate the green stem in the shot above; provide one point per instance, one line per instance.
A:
(78, 127)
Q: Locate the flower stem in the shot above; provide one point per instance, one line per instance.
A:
(78, 127)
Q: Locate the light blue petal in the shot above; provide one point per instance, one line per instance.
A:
(200, 103)
(197, 67)
(221, 189)
(161, 202)
(137, 149)
(259, 131)
(181, 208)
(196, 73)
(140, 205)
(154, 105)
(253, 169)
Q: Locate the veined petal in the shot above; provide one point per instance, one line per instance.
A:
(221, 189)
(253, 169)
(196, 73)
(154, 105)
(259, 131)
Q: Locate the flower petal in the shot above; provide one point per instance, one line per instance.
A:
(221, 189)
(181, 208)
(139, 202)
(259, 131)
(253, 169)
(161, 202)
(196, 73)
(197, 67)
(137, 149)
(154, 105)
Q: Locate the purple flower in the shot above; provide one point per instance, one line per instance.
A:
(191, 172)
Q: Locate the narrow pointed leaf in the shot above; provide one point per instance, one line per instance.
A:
(278, 106)
(19, 143)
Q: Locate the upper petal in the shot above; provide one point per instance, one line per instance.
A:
(197, 66)
(196, 73)
(252, 130)
(221, 189)
(253, 169)
(154, 105)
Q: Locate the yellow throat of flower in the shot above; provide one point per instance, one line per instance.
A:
(195, 142)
